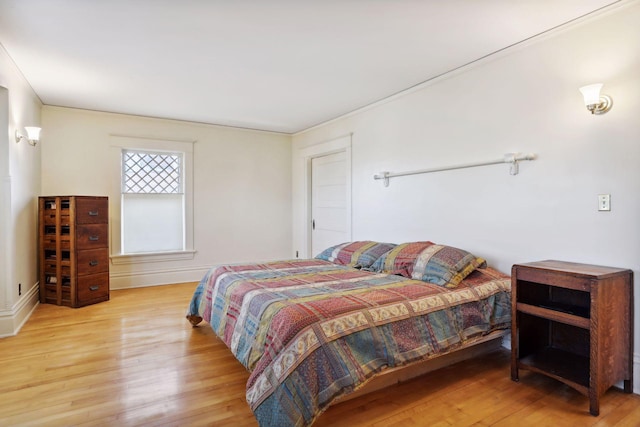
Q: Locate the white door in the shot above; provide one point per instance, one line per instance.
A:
(329, 204)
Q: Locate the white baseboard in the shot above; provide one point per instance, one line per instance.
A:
(636, 373)
(140, 279)
(506, 341)
(11, 321)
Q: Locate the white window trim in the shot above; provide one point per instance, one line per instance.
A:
(119, 142)
(144, 257)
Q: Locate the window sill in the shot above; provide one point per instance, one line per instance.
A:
(140, 258)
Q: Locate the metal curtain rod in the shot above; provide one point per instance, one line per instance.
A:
(511, 158)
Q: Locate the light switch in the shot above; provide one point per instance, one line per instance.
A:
(604, 202)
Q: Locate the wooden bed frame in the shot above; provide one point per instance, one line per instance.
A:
(389, 377)
(472, 348)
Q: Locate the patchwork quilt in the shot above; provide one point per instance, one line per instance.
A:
(310, 331)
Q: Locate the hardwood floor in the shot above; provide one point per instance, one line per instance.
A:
(135, 360)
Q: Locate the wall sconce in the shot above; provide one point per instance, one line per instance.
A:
(33, 135)
(596, 103)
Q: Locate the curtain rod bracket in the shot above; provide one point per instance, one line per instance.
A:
(511, 158)
(384, 176)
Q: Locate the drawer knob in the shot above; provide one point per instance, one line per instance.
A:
(94, 288)
(93, 263)
(93, 213)
(94, 238)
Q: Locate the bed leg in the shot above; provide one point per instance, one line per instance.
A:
(194, 320)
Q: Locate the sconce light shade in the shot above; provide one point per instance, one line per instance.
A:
(33, 135)
(591, 93)
(596, 103)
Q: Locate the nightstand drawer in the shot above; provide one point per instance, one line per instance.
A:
(92, 211)
(95, 286)
(92, 261)
(92, 236)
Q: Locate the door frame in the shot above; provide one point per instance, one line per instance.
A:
(336, 145)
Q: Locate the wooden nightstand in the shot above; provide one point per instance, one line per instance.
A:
(573, 322)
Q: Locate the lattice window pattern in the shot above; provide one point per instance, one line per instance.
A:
(151, 173)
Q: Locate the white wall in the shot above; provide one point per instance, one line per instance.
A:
(523, 100)
(19, 184)
(242, 186)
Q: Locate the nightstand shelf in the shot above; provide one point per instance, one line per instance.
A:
(574, 323)
(574, 371)
(554, 314)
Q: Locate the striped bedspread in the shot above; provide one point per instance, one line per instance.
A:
(310, 331)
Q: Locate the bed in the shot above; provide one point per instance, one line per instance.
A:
(313, 331)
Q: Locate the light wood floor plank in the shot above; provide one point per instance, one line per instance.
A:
(136, 361)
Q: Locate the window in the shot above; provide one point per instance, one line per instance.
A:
(153, 201)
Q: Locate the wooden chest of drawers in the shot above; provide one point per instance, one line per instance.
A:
(73, 250)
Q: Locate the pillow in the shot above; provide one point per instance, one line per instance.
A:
(426, 261)
(355, 254)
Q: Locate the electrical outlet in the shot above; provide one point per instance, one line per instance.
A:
(604, 202)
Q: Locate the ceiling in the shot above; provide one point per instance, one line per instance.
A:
(277, 65)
